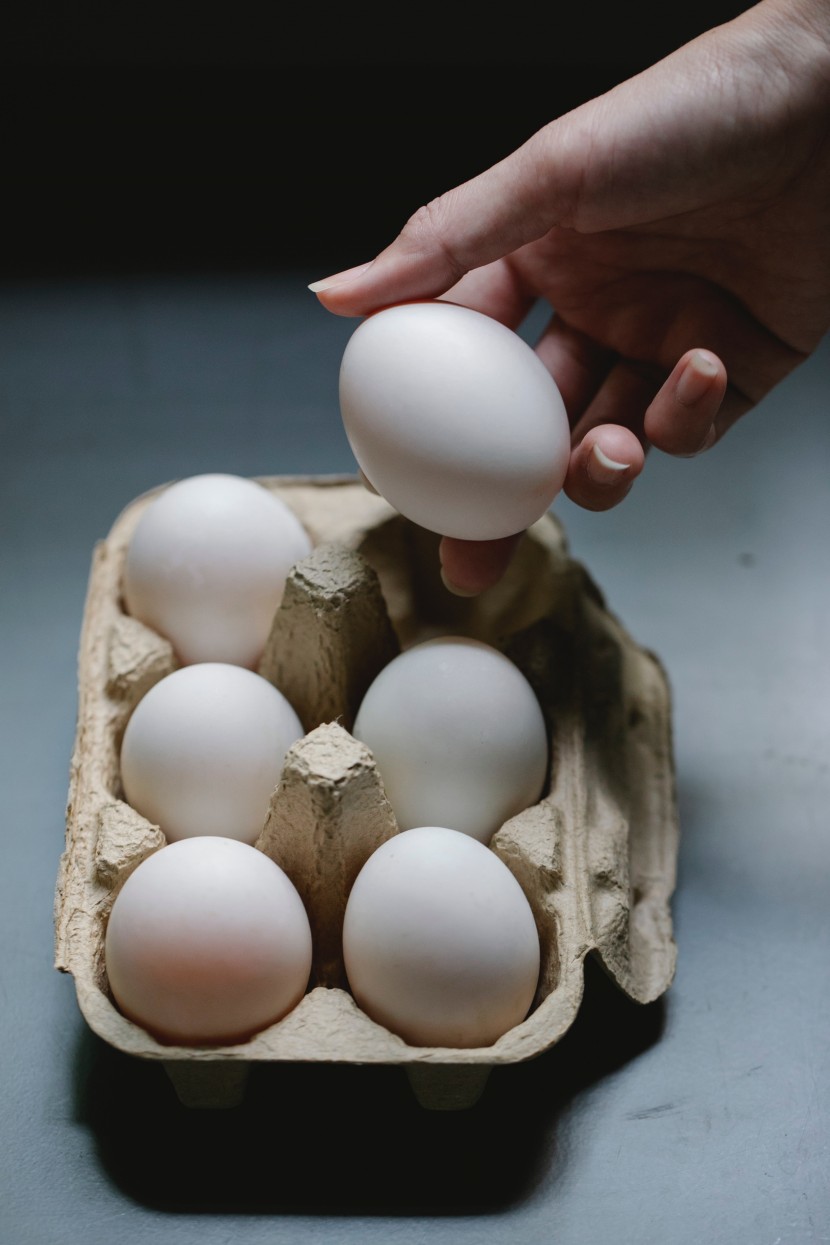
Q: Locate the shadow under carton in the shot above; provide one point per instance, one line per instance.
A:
(596, 856)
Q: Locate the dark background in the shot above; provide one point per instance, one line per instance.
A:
(270, 136)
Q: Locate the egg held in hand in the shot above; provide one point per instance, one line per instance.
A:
(207, 942)
(457, 734)
(203, 751)
(207, 563)
(439, 940)
(454, 419)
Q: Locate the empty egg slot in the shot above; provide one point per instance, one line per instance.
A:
(406, 560)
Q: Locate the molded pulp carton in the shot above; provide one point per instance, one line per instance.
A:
(596, 856)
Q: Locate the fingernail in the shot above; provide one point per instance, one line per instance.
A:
(339, 278)
(602, 469)
(695, 379)
(454, 588)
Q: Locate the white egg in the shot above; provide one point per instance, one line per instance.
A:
(458, 736)
(207, 563)
(439, 940)
(454, 419)
(203, 751)
(208, 941)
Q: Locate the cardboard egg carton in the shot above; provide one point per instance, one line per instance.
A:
(596, 856)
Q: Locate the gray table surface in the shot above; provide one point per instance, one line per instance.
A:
(701, 1118)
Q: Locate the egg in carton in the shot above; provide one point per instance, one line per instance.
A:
(596, 856)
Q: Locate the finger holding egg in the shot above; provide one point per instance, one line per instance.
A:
(469, 567)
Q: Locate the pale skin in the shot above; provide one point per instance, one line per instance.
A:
(679, 225)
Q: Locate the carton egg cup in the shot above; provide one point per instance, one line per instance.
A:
(596, 856)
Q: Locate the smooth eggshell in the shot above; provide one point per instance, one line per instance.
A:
(207, 942)
(439, 940)
(454, 419)
(203, 751)
(207, 564)
(458, 736)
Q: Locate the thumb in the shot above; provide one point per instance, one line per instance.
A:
(613, 162)
(509, 205)
(641, 152)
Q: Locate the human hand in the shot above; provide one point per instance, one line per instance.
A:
(678, 228)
